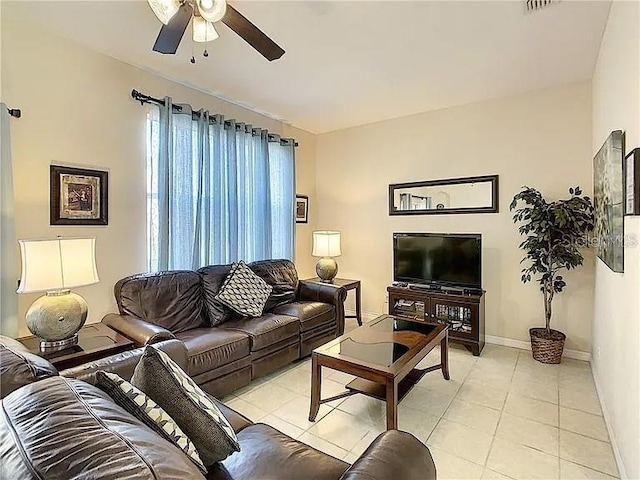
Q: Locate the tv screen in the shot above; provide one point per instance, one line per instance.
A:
(434, 258)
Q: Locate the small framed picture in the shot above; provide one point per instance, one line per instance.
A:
(302, 209)
(632, 183)
(78, 196)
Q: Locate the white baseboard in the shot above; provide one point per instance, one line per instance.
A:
(509, 342)
(607, 421)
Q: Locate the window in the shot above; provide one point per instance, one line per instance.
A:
(217, 192)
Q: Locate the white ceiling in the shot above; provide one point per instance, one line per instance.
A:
(349, 63)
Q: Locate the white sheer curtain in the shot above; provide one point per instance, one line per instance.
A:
(8, 246)
(218, 191)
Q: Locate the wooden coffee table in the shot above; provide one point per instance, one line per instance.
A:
(383, 355)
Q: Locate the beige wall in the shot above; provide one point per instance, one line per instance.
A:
(616, 330)
(540, 139)
(77, 111)
(305, 185)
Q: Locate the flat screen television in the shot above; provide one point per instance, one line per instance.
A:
(438, 259)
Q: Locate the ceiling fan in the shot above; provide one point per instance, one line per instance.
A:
(176, 14)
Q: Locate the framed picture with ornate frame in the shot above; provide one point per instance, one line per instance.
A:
(78, 196)
(302, 209)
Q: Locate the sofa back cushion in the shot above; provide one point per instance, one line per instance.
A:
(66, 428)
(213, 277)
(18, 366)
(172, 300)
(283, 278)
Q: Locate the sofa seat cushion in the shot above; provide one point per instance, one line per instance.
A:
(18, 366)
(65, 428)
(310, 314)
(268, 454)
(266, 330)
(210, 348)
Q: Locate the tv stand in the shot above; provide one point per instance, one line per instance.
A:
(460, 310)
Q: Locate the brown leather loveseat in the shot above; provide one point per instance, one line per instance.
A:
(60, 426)
(225, 351)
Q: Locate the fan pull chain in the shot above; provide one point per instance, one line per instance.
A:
(205, 54)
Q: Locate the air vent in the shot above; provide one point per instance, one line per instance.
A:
(535, 5)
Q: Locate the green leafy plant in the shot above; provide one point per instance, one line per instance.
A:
(554, 232)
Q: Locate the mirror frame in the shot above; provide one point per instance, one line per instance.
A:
(493, 179)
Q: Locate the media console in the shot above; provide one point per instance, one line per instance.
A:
(462, 310)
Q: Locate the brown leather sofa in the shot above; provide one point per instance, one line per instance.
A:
(62, 427)
(298, 317)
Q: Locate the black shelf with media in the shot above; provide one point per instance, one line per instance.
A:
(460, 310)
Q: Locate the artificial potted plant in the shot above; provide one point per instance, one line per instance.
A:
(554, 232)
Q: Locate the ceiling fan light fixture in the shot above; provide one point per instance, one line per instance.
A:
(203, 31)
(164, 9)
(212, 10)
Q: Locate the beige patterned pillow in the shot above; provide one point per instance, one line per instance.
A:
(243, 291)
(146, 410)
(191, 408)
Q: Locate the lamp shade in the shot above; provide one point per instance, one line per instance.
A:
(212, 10)
(57, 264)
(164, 9)
(203, 31)
(326, 243)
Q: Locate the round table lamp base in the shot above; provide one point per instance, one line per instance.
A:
(56, 317)
(326, 269)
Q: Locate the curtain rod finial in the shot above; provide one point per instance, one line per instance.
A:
(15, 112)
(136, 95)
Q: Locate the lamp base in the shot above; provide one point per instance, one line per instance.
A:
(326, 269)
(46, 346)
(57, 316)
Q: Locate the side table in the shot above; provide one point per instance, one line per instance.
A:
(348, 285)
(95, 341)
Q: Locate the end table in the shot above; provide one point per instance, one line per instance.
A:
(95, 341)
(348, 285)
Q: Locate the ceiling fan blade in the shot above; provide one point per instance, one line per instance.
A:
(252, 34)
(170, 35)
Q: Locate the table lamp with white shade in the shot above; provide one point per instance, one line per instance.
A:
(55, 266)
(326, 244)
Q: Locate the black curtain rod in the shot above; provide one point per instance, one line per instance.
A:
(142, 98)
(15, 112)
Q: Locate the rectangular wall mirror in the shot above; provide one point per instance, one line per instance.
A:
(451, 195)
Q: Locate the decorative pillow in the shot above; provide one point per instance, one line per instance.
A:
(171, 388)
(149, 412)
(243, 291)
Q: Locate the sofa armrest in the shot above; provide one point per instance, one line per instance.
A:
(325, 293)
(141, 332)
(124, 363)
(394, 454)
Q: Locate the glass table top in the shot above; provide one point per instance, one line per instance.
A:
(375, 342)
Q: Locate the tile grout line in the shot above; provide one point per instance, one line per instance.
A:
(495, 433)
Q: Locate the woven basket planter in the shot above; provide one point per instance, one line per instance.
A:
(547, 346)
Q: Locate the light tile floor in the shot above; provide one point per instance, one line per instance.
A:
(502, 415)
